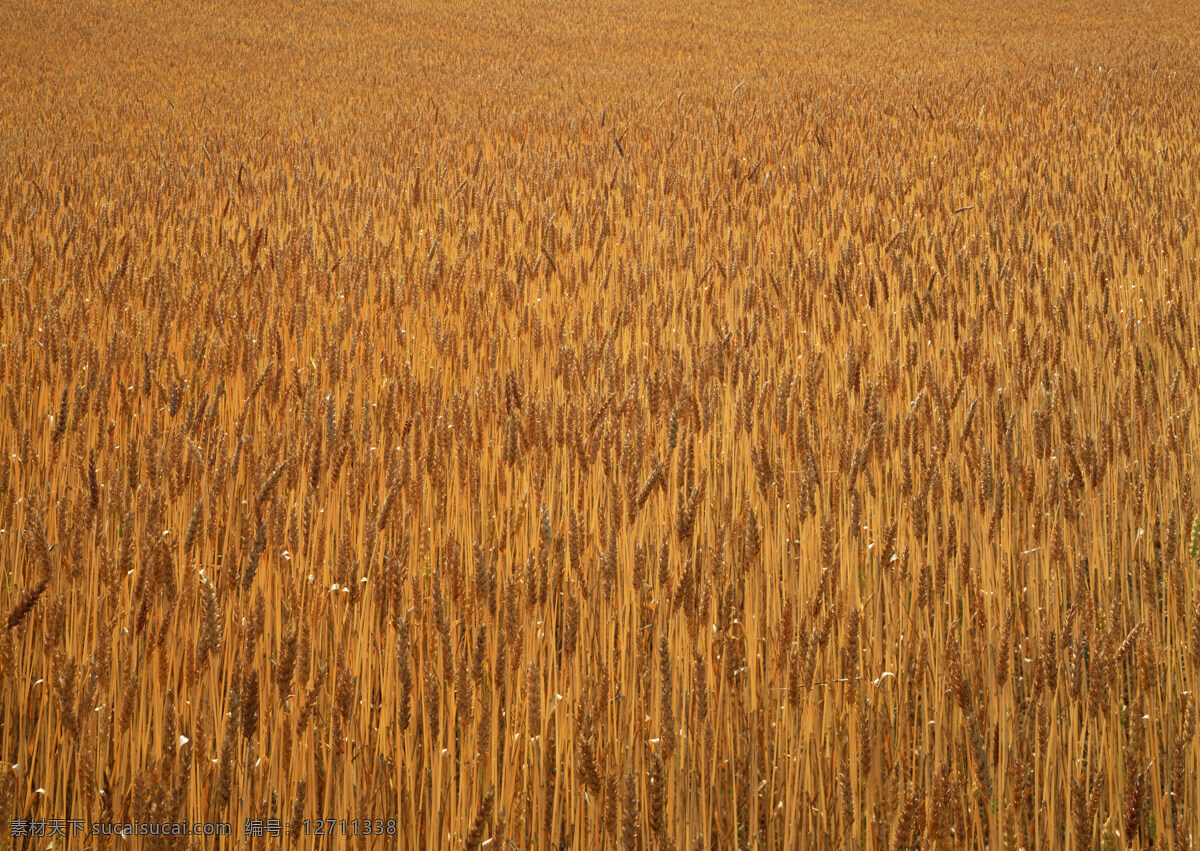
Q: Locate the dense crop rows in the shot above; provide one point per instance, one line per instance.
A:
(762, 428)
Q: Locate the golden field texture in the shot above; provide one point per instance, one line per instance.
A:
(564, 426)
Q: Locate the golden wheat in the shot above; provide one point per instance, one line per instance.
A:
(575, 426)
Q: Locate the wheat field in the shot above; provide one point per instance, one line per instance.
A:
(528, 425)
